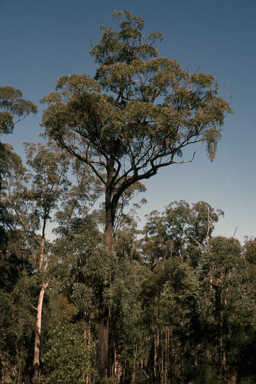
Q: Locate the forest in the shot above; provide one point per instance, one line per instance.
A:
(86, 296)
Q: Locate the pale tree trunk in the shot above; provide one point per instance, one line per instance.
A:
(36, 362)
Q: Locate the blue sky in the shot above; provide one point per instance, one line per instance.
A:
(42, 40)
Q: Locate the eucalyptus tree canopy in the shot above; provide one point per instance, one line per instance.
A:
(136, 115)
(13, 108)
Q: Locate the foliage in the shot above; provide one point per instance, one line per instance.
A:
(13, 108)
(69, 354)
(180, 231)
(84, 265)
(17, 315)
(16, 296)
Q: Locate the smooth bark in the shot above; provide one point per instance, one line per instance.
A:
(36, 362)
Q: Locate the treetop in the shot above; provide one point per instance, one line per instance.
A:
(139, 111)
(12, 106)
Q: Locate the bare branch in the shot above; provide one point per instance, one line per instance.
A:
(205, 249)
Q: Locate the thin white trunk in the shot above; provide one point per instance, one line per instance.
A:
(36, 362)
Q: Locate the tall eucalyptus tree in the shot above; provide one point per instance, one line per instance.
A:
(133, 118)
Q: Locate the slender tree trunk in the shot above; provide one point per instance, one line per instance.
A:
(104, 311)
(103, 325)
(134, 363)
(156, 355)
(36, 362)
(166, 355)
(87, 338)
(103, 341)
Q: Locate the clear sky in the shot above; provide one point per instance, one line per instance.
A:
(42, 40)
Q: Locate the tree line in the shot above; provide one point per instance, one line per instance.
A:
(103, 301)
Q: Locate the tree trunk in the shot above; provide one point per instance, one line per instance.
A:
(134, 363)
(103, 341)
(156, 355)
(103, 325)
(104, 312)
(36, 363)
